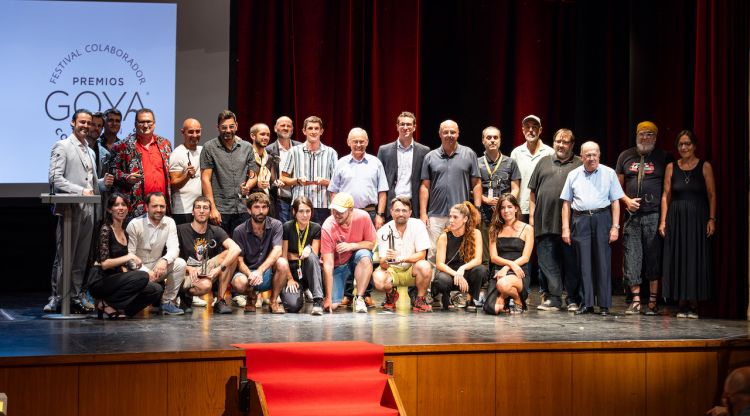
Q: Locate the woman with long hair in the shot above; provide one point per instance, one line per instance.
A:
(687, 222)
(511, 243)
(459, 256)
(121, 289)
(301, 247)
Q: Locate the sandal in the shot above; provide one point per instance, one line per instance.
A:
(635, 305)
(653, 308)
(103, 309)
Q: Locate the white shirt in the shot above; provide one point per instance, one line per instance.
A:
(526, 163)
(183, 198)
(405, 156)
(283, 156)
(147, 240)
(415, 239)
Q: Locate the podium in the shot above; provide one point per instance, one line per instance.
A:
(67, 201)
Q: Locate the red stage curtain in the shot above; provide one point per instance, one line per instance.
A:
(595, 67)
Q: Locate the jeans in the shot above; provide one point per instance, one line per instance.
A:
(344, 273)
(283, 210)
(558, 262)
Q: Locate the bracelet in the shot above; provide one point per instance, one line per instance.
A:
(616, 226)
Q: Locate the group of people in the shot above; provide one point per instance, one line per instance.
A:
(244, 217)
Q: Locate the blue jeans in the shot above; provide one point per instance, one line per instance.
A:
(344, 272)
(283, 210)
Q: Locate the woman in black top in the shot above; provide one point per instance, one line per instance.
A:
(459, 256)
(513, 243)
(301, 247)
(121, 289)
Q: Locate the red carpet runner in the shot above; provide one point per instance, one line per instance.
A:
(320, 378)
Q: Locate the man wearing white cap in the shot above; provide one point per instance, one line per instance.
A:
(346, 243)
(527, 155)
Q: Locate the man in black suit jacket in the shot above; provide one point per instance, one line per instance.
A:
(279, 150)
(408, 152)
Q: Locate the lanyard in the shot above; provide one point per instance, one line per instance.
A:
(487, 165)
(300, 243)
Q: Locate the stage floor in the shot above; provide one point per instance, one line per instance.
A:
(26, 334)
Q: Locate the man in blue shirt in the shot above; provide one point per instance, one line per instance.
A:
(588, 195)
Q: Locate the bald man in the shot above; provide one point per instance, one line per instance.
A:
(450, 176)
(184, 172)
(736, 396)
(284, 129)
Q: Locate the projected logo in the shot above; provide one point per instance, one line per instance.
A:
(97, 77)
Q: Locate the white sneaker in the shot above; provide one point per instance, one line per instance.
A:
(239, 301)
(197, 301)
(308, 296)
(359, 305)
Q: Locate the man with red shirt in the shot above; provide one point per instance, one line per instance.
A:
(141, 163)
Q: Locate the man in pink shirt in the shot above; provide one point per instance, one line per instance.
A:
(346, 244)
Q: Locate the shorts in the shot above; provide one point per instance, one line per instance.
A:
(265, 285)
(402, 277)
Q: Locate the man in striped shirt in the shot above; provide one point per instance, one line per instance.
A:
(309, 168)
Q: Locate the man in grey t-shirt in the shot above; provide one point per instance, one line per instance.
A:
(227, 166)
(449, 177)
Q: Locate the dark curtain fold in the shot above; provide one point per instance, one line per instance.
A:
(595, 67)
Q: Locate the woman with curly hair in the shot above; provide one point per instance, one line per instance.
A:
(459, 256)
(511, 250)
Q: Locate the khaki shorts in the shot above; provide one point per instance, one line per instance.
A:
(402, 277)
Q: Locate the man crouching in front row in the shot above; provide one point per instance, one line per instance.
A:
(260, 266)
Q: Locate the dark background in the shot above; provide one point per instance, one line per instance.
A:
(595, 67)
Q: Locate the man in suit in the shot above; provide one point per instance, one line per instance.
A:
(72, 170)
(279, 150)
(402, 161)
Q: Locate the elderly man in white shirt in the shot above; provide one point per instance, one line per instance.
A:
(148, 235)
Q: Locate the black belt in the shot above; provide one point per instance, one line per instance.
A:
(370, 208)
(286, 199)
(589, 212)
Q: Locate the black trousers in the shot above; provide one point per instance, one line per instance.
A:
(443, 282)
(590, 235)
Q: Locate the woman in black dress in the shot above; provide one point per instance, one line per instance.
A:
(459, 257)
(514, 241)
(121, 289)
(688, 220)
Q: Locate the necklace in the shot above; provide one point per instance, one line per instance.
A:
(687, 174)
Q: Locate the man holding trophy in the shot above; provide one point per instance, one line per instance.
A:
(210, 255)
(402, 246)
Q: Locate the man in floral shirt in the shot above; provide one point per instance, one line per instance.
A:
(141, 163)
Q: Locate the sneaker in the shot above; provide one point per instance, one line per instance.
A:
(359, 305)
(682, 313)
(692, 314)
(421, 305)
(515, 309)
(458, 300)
(391, 298)
(482, 297)
(169, 308)
(369, 302)
(199, 302)
(308, 296)
(345, 303)
(572, 307)
(317, 308)
(52, 306)
(222, 307)
(547, 305)
(240, 301)
(87, 301)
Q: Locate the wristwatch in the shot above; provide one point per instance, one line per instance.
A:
(616, 226)
(381, 214)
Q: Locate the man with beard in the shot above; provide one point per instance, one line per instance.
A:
(280, 149)
(527, 155)
(590, 195)
(112, 123)
(153, 238)
(226, 163)
(261, 266)
(449, 176)
(72, 169)
(499, 175)
(184, 172)
(141, 163)
(266, 166)
(403, 263)
(210, 255)
(557, 260)
(640, 171)
(97, 123)
(346, 244)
